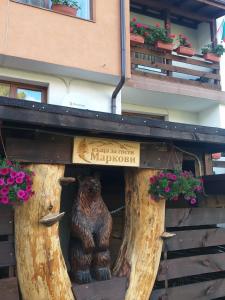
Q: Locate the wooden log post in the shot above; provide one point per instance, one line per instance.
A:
(41, 268)
(141, 249)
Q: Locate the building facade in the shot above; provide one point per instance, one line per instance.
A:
(76, 61)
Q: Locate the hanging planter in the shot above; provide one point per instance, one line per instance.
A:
(15, 183)
(136, 39)
(176, 185)
(187, 51)
(211, 57)
(168, 47)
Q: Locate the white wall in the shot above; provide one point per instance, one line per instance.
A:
(69, 92)
(169, 114)
(210, 116)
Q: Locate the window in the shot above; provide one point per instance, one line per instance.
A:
(23, 91)
(84, 12)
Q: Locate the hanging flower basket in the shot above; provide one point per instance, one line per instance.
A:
(176, 185)
(15, 183)
(136, 39)
(212, 57)
(168, 47)
(187, 51)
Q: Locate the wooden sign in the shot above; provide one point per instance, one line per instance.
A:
(99, 151)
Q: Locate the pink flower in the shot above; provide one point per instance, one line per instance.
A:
(168, 26)
(13, 173)
(21, 174)
(157, 25)
(161, 175)
(134, 19)
(139, 25)
(198, 188)
(10, 181)
(29, 188)
(19, 180)
(9, 163)
(193, 201)
(174, 177)
(4, 191)
(172, 36)
(167, 189)
(131, 29)
(4, 171)
(2, 182)
(20, 194)
(4, 200)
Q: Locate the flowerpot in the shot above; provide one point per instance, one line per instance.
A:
(136, 39)
(211, 57)
(216, 155)
(64, 9)
(185, 51)
(168, 47)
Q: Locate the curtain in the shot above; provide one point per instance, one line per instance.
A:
(84, 11)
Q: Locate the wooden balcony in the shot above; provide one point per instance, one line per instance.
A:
(149, 62)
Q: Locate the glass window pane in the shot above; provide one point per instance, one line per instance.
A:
(4, 89)
(84, 10)
(26, 94)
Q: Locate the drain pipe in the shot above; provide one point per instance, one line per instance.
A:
(123, 56)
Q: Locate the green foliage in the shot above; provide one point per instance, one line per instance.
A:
(172, 185)
(183, 41)
(70, 3)
(218, 50)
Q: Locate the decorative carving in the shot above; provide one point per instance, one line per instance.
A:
(91, 229)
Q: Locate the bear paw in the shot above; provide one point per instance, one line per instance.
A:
(82, 277)
(102, 273)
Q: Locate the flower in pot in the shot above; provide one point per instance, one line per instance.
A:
(15, 183)
(138, 32)
(176, 185)
(160, 38)
(68, 7)
(213, 53)
(184, 47)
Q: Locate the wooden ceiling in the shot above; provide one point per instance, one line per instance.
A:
(184, 12)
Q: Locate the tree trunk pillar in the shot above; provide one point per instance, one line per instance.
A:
(141, 249)
(41, 268)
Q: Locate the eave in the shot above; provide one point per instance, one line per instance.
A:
(28, 115)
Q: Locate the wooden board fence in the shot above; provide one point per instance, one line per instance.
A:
(193, 263)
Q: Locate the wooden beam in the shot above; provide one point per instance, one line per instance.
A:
(212, 3)
(190, 239)
(194, 265)
(204, 291)
(160, 5)
(194, 216)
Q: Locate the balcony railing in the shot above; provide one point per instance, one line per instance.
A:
(196, 71)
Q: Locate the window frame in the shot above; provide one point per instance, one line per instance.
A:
(92, 10)
(13, 86)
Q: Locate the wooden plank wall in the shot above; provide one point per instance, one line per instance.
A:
(193, 262)
(8, 281)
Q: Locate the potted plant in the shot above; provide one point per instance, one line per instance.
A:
(184, 47)
(137, 32)
(160, 38)
(15, 183)
(68, 7)
(176, 185)
(213, 53)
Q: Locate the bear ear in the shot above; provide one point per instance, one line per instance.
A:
(97, 175)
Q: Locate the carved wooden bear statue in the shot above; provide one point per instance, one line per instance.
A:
(91, 229)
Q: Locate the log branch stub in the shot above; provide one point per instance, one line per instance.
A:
(51, 218)
(167, 235)
(67, 180)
